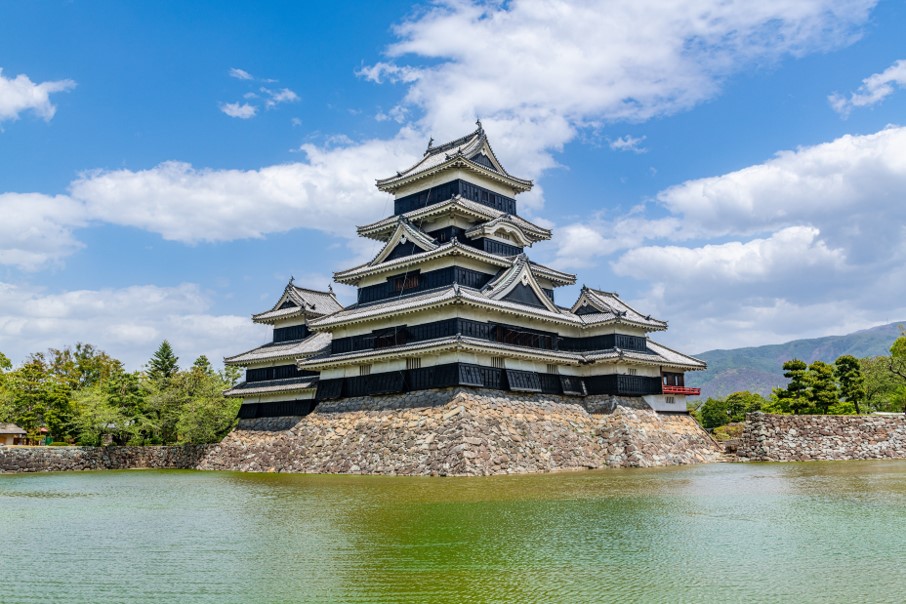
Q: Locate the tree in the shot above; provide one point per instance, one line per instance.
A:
(716, 412)
(880, 383)
(741, 403)
(822, 386)
(163, 364)
(207, 414)
(898, 357)
(793, 398)
(852, 381)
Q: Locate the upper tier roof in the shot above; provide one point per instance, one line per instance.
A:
(453, 247)
(472, 152)
(282, 351)
(382, 229)
(597, 306)
(456, 294)
(299, 302)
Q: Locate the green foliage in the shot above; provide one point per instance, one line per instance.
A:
(852, 381)
(82, 395)
(822, 386)
(163, 364)
(728, 432)
(719, 412)
(880, 384)
(794, 398)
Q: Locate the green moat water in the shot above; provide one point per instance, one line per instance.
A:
(816, 532)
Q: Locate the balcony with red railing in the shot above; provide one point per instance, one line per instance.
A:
(681, 390)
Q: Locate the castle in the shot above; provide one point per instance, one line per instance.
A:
(453, 300)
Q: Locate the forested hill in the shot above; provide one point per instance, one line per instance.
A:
(758, 369)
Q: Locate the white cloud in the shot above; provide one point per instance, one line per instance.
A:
(628, 143)
(832, 257)
(20, 94)
(36, 230)
(566, 65)
(128, 323)
(770, 263)
(329, 192)
(853, 189)
(873, 90)
(243, 111)
(240, 74)
(275, 97)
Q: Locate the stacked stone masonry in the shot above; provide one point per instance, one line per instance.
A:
(67, 459)
(822, 437)
(457, 431)
(462, 431)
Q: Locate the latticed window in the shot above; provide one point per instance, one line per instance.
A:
(365, 369)
(413, 363)
(551, 368)
(670, 400)
(407, 282)
(498, 363)
(633, 371)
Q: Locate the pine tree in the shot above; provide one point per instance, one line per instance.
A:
(852, 380)
(163, 364)
(822, 386)
(795, 395)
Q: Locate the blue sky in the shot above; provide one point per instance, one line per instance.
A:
(735, 168)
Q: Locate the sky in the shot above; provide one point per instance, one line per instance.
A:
(737, 169)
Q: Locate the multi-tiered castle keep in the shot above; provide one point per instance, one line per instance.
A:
(452, 299)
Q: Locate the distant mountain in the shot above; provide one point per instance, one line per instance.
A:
(759, 368)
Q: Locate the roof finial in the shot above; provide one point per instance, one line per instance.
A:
(478, 123)
(330, 287)
(430, 142)
(291, 279)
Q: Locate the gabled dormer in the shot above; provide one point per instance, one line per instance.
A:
(502, 228)
(406, 240)
(453, 210)
(299, 303)
(598, 307)
(518, 284)
(472, 154)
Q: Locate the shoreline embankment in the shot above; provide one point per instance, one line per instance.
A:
(468, 432)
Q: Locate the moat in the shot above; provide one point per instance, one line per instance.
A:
(800, 532)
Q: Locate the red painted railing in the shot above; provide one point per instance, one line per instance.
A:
(682, 390)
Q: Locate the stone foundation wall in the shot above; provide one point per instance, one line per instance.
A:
(456, 431)
(822, 437)
(63, 459)
(461, 431)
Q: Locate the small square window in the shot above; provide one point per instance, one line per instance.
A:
(365, 369)
(670, 400)
(413, 363)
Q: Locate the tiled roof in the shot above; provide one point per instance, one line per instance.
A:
(456, 342)
(395, 306)
(306, 302)
(658, 354)
(457, 203)
(11, 429)
(611, 308)
(673, 357)
(552, 273)
(282, 350)
(244, 389)
(462, 151)
(453, 247)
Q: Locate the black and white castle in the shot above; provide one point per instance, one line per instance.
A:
(452, 299)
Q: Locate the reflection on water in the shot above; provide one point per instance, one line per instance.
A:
(818, 532)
